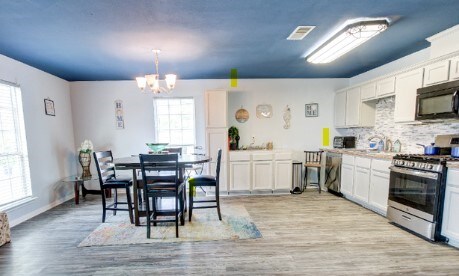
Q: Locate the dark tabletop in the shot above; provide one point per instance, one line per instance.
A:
(133, 162)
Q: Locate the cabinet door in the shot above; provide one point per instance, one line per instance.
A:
(361, 184)
(347, 179)
(353, 107)
(436, 73)
(262, 175)
(454, 69)
(216, 138)
(340, 109)
(240, 176)
(405, 95)
(450, 226)
(385, 87)
(368, 92)
(223, 176)
(283, 174)
(216, 108)
(379, 190)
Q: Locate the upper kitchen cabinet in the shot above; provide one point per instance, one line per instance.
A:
(350, 111)
(385, 87)
(405, 95)
(216, 108)
(368, 92)
(437, 72)
(454, 69)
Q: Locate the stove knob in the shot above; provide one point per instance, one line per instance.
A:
(412, 164)
(401, 162)
(430, 166)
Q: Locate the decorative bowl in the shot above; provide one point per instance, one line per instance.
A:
(156, 147)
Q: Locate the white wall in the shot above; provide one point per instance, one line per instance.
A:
(49, 139)
(94, 114)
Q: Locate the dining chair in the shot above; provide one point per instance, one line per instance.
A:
(206, 181)
(313, 159)
(160, 175)
(109, 180)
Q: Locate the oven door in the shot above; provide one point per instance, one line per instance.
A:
(440, 104)
(415, 192)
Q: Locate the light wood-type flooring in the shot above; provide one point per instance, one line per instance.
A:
(307, 234)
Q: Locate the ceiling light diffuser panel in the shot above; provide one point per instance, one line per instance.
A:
(347, 39)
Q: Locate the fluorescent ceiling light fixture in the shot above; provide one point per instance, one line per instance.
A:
(348, 38)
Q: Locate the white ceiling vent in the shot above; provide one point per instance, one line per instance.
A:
(300, 32)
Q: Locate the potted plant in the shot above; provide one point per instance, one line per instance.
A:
(233, 137)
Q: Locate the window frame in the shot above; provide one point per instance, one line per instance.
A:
(156, 130)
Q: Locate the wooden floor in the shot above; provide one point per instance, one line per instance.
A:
(308, 234)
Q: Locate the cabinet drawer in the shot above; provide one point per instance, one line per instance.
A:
(283, 155)
(262, 156)
(348, 159)
(363, 162)
(239, 156)
(380, 165)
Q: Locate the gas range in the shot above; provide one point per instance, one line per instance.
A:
(433, 163)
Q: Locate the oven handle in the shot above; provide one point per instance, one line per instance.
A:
(414, 172)
(455, 102)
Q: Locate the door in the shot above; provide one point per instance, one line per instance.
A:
(340, 109)
(262, 175)
(361, 184)
(454, 69)
(283, 175)
(216, 138)
(353, 107)
(450, 226)
(216, 108)
(368, 91)
(347, 179)
(385, 87)
(436, 73)
(379, 190)
(240, 176)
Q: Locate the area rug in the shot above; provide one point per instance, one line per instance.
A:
(236, 224)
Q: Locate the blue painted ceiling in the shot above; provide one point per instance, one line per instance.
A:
(204, 39)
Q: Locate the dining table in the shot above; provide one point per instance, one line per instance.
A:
(133, 163)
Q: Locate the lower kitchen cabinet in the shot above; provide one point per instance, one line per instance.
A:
(362, 179)
(283, 175)
(262, 175)
(379, 186)
(240, 176)
(366, 182)
(450, 225)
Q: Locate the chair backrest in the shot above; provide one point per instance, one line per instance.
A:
(104, 165)
(159, 163)
(217, 172)
(313, 157)
(177, 150)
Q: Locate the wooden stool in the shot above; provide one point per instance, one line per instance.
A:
(313, 160)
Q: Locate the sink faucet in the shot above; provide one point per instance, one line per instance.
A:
(381, 138)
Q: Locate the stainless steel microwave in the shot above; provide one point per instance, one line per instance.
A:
(439, 101)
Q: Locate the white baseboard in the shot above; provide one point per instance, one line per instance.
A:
(40, 210)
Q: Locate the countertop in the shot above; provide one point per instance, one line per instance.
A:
(364, 153)
(453, 164)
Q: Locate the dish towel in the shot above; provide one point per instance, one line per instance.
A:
(5, 235)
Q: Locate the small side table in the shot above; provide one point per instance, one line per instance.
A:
(78, 181)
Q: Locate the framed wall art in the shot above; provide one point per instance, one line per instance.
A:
(49, 107)
(312, 110)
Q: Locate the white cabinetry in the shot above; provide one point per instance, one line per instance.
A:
(437, 72)
(340, 109)
(347, 175)
(405, 95)
(450, 225)
(262, 167)
(362, 179)
(353, 107)
(454, 69)
(385, 87)
(283, 171)
(216, 132)
(240, 171)
(379, 185)
(368, 91)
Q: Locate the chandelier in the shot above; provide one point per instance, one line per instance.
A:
(152, 80)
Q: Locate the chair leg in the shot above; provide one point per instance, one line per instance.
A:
(217, 197)
(104, 210)
(147, 210)
(318, 180)
(184, 197)
(153, 199)
(190, 209)
(176, 214)
(115, 202)
(129, 203)
(182, 207)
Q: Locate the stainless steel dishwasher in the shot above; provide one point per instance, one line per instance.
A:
(333, 172)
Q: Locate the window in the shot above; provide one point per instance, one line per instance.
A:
(174, 121)
(14, 162)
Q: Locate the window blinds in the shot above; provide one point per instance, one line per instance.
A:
(15, 181)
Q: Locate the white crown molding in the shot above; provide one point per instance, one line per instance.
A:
(442, 34)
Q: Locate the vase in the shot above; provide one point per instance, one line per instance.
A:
(85, 161)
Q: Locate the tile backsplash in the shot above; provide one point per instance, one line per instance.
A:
(408, 134)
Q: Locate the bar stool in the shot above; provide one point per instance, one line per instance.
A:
(313, 160)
